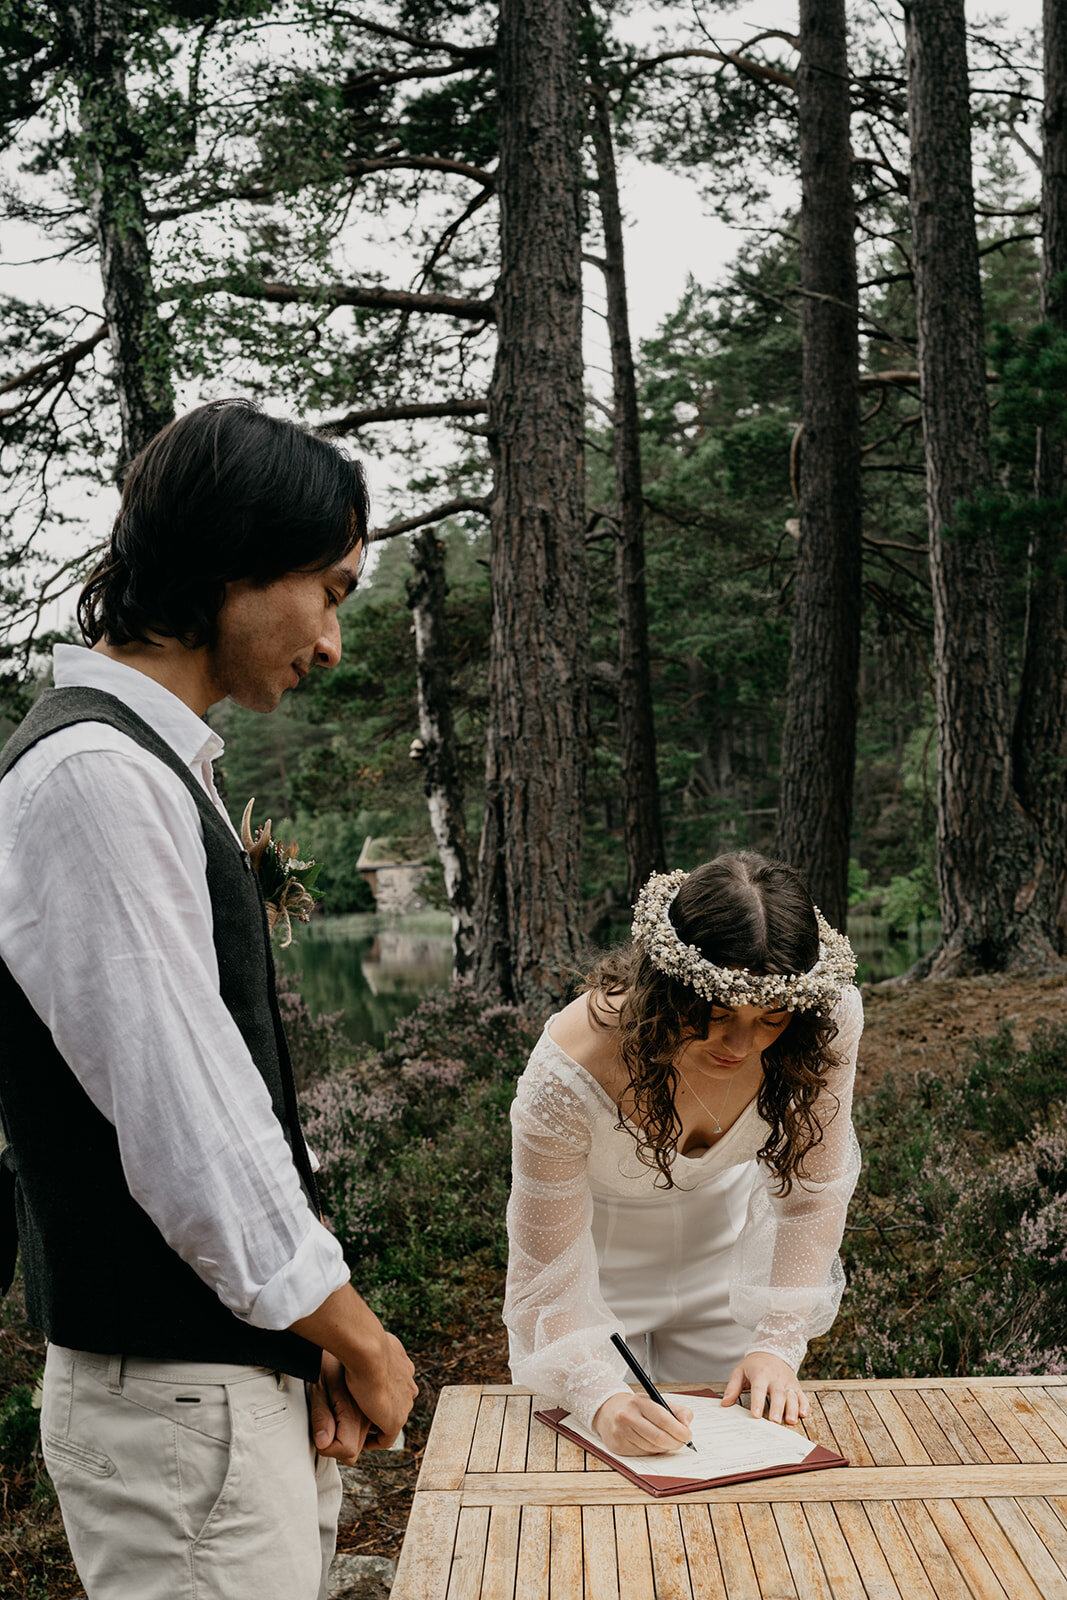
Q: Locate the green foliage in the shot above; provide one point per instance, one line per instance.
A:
(415, 1154)
(910, 899)
(958, 1234)
(20, 1423)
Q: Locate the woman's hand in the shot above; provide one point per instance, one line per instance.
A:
(634, 1425)
(769, 1379)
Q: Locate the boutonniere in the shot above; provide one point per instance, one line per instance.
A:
(287, 882)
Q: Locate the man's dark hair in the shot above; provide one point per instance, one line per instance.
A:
(223, 493)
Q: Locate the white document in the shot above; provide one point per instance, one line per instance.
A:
(727, 1442)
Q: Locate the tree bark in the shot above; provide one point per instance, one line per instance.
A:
(819, 737)
(639, 780)
(140, 347)
(985, 847)
(1040, 740)
(441, 775)
(529, 896)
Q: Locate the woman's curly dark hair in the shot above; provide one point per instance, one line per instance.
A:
(740, 910)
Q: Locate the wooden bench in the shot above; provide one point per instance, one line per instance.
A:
(957, 1491)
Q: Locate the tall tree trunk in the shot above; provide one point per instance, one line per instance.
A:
(529, 896)
(819, 737)
(140, 348)
(639, 780)
(441, 776)
(1040, 742)
(984, 844)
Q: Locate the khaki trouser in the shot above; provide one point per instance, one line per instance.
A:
(187, 1480)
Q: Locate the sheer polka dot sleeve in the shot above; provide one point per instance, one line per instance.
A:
(787, 1277)
(558, 1325)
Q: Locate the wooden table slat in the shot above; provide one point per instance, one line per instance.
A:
(735, 1558)
(535, 1552)
(953, 1426)
(900, 1430)
(1021, 1531)
(765, 1546)
(837, 1559)
(541, 1450)
(831, 1483)
(485, 1446)
(565, 1542)
(876, 1435)
(998, 1407)
(1051, 1528)
(444, 1461)
(977, 1419)
(968, 1555)
(809, 1579)
(501, 1553)
(949, 1583)
(600, 1554)
(635, 1554)
(817, 1427)
(570, 1457)
(850, 1440)
(426, 1559)
(468, 1554)
(701, 1554)
(866, 1552)
(1002, 1552)
(670, 1570)
(515, 1434)
(938, 1446)
(909, 1574)
(1054, 1416)
(1025, 1406)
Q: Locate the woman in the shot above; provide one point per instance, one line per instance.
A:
(684, 1156)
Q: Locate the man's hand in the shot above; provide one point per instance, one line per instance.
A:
(634, 1425)
(771, 1381)
(378, 1376)
(338, 1426)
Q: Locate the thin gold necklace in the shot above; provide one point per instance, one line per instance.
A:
(704, 1103)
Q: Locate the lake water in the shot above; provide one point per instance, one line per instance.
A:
(374, 970)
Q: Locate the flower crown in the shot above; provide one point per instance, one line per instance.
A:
(818, 989)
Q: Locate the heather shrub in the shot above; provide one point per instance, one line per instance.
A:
(956, 1248)
(415, 1152)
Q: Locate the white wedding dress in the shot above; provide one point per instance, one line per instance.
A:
(694, 1276)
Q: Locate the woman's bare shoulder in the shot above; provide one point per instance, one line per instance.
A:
(584, 1040)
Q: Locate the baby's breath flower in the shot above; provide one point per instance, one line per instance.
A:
(818, 989)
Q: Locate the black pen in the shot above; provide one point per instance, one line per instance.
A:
(643, 1378)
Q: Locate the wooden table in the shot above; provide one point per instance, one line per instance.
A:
(957, 1489)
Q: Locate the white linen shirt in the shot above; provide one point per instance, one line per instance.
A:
(106, 925)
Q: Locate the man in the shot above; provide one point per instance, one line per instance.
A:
(167, 1219)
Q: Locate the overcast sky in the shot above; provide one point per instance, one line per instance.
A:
(670, 234)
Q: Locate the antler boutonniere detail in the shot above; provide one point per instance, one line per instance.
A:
(287, 882)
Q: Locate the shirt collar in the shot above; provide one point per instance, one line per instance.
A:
(187, 734)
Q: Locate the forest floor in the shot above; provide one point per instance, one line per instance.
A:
(928, 1026)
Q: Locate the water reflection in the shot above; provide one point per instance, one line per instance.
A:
(373, 972)
(879, 956)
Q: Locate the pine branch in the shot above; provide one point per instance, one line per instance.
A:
(451, 508)
(263, 193)
(474, 54)
(730, 58)
(370, 297)
(354, 420)
(66, 361)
